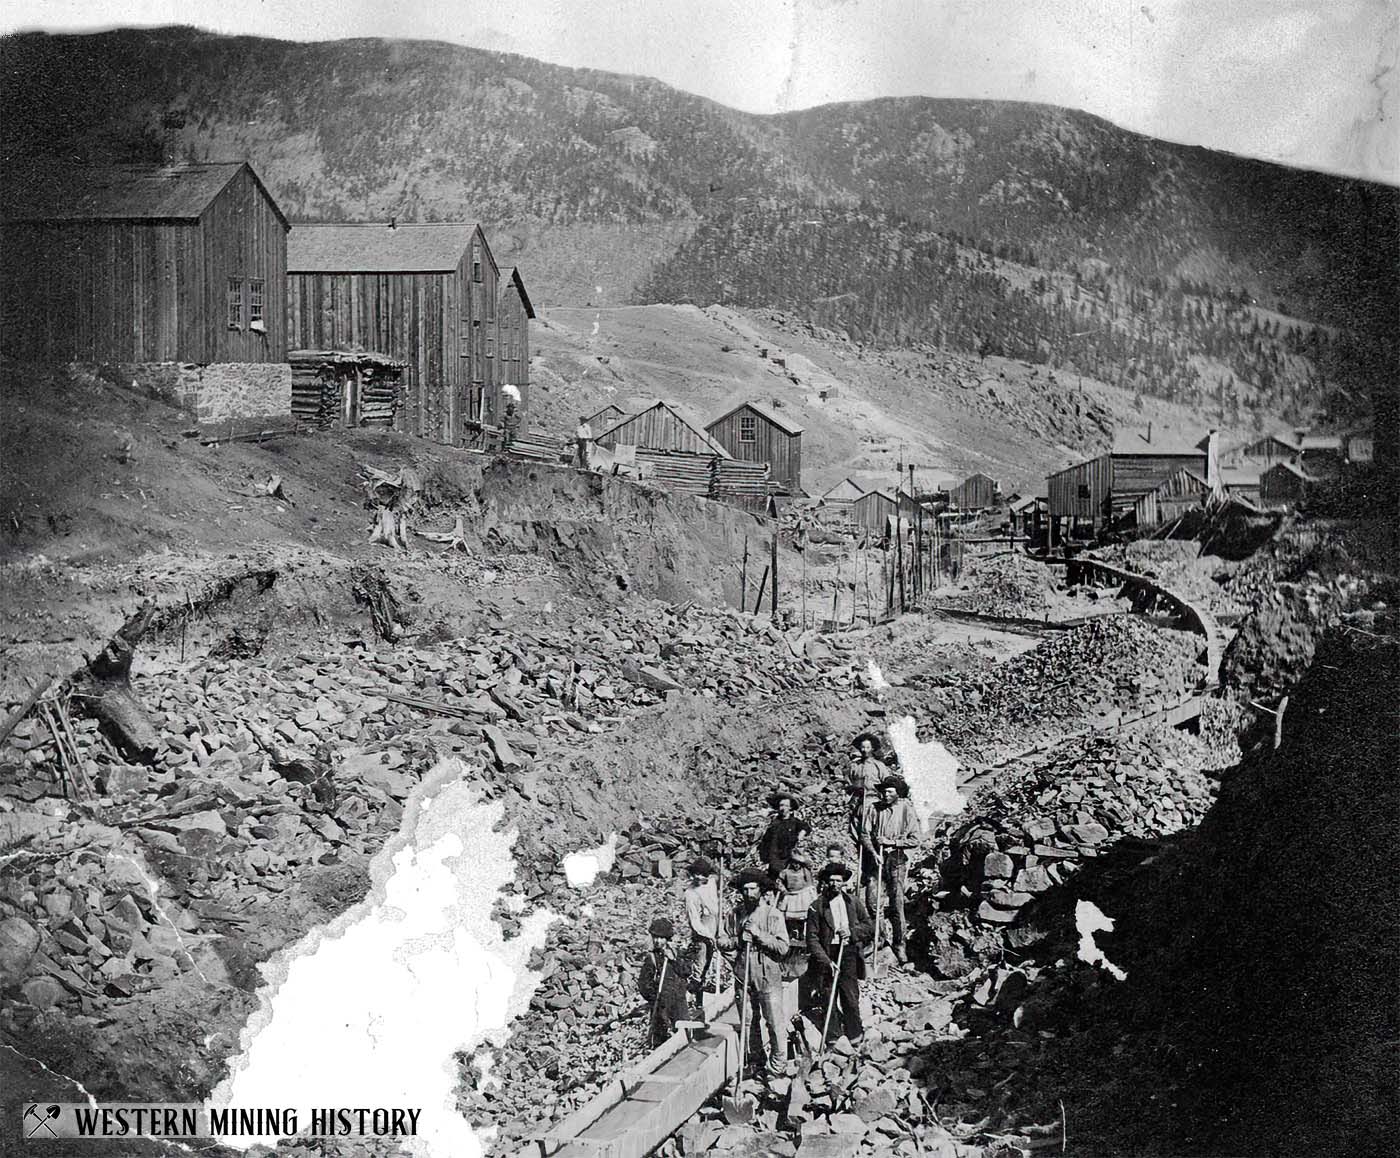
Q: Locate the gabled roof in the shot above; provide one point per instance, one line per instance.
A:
(1027, 503)
(621, 411)
(1322, 442)
(849, 488)
(677, 415)
(514, 278)
(889, 498)
(436, 247)
(35, 191)
(1292, 468)
(1135, 441)
(763, 412)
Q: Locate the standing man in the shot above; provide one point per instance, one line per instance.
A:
(839, 919)
(702, 914)
(510, 425)
(863, 780)
(780, 839)
(890, 828)
(757, 930)
(584, 435)
(663, 981)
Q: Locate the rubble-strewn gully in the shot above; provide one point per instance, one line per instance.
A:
(133, 919)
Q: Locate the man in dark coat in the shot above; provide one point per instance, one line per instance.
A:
(783, 834)
(840, 919)
(664, 981)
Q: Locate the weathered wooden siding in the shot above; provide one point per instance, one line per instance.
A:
(1081, 491)
(870, 511)
(481, 289)
(657, 429)
(773, 445)
(244, 238)
(146, 290)
(1279, 486)
(514, 343)
(1134, 474)
(975, 493)
(413, 317)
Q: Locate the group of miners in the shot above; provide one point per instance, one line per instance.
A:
(795, 933)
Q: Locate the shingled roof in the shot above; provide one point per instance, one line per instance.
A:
(763, 412)
(379, 247)
(66, 192)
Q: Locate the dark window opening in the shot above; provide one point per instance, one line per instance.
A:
(1083, 490)
(235, 303)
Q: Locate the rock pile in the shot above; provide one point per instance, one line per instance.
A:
(1094, 674)
(1032, 829)
(1006, 585)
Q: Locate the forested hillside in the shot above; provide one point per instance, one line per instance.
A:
(1043, 233)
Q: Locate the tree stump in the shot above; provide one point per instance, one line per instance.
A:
(109, 694)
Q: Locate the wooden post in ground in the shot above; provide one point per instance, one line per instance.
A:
(762, 586)
(773, 566)
(744, 577)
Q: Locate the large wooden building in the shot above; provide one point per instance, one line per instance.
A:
(142, 264)
(751, 433)
(1102, 489)
(513, 315)
(977, 492)
(425, 294)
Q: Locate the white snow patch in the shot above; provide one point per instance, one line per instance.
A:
(1090, 919)
(373, 1010)
(581, 869)
(874, 676)
(930, 770)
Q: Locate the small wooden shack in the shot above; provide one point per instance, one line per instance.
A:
(425, 294)
(142, 264)
(660, 427)
(608, 416)
(871, 510)
(332, 388)
(1284, 484)
(977, 492)
(753, 433)
(513, 315)
(1179, 492)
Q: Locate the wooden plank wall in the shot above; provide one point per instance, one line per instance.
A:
(408, 316)
(1134, 474)
(780, 450)
(513, 344)
(870, 511)
(975, 493)
(657, 429)
(243, 237)
(479, 322)
(1065, 499)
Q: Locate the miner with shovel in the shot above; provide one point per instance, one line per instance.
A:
(838, 930)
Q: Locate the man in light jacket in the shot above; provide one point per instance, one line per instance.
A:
(702, 915)
(757, 930)
(889, 830)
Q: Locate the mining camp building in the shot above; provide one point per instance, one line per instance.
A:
(752, 433)
(513, 317)
(424, 294)
(1102, 489)
(143, 264)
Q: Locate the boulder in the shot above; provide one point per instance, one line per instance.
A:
(19, 941)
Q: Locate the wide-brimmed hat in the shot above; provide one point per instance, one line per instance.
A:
(662, 927)
(874, 742)
(895, 782)
(782, 794)
(757, 877)
(834, 869)
(700, 867)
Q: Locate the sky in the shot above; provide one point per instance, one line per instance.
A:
(1310, 83)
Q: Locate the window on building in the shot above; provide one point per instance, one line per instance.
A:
(490, 346)
(476, 261)
(235, 303)
(255, 299)
(1083, 490)
(748, 428)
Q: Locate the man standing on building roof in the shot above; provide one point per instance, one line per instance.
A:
(702, 914)
(839, 926)
(663, 982)
(889, 830)
(584, 435)
(780, 839)
(757, 932)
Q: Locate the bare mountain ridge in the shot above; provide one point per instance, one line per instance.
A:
(610, 189)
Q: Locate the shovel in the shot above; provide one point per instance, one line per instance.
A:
(879, 884)
(737, 1111)
(831, 998)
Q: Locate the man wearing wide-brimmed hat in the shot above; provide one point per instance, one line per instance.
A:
(663, 981)
(757, 931)
(890, 829)
(839, 928)
(862, 782)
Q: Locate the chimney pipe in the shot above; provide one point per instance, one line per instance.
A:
(1149, 433)
(171, 125)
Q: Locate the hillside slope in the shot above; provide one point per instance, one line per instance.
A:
(595, 183)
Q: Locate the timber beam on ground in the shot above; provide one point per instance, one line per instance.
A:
(649, 1101)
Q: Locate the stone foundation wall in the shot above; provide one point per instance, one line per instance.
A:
(219, 392)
